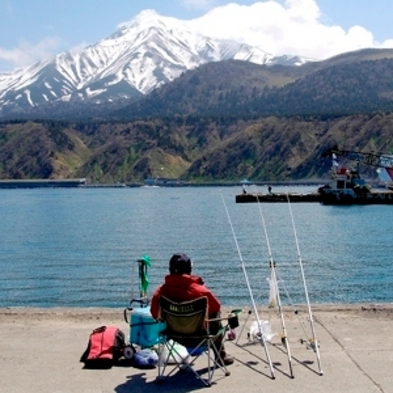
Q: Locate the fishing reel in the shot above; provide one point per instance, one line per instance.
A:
(310, 344)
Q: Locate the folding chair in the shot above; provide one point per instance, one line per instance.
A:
(187, 324)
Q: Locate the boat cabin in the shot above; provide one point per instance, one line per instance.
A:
(345, 184)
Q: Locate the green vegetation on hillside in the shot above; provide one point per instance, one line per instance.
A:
(188, 148)
(358, 82)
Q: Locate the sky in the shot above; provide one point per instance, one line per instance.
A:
(31, 30)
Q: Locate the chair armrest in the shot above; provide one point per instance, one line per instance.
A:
(232, 318)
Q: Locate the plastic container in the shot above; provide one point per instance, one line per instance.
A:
(144, 329)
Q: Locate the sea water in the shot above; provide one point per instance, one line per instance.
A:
(79, 247)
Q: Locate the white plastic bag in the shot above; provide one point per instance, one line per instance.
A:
(272, 290)
(178, 355)
(265, 328)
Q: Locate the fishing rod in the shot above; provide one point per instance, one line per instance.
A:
(284, 337)
(249, 289)
(314, 343)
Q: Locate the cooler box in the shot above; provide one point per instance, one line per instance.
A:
(144, 329)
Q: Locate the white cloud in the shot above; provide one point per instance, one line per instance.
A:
(387, 44)
(295, 28)
(26, 54)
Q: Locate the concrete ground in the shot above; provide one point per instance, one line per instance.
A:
(40, 351)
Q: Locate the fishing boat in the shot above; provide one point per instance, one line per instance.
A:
(348, 188)
(345, 188)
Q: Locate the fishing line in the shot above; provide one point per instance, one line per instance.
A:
(284, 336)
(249, 287)
(295, 311)
(314, 344)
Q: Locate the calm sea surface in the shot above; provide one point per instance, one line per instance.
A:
(78, 247)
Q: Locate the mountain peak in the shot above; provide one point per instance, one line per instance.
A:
(142, 54)
(148, 18)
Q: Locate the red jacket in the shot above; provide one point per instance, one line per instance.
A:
(181, 288)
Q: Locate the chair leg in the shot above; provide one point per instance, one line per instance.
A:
(218, 361)
(172, 354)
(211, 351)
(163, 363)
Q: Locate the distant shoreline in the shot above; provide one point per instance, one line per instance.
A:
(81, 183)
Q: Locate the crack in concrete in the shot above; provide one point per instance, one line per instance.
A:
(357, 365)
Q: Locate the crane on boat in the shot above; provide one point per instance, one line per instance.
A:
(381, 160)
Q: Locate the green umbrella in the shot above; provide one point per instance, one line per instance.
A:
(144, 262)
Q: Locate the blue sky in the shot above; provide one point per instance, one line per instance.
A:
(31, 30)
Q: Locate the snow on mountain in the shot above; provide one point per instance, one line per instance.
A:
(141, 55)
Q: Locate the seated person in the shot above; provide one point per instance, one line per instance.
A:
(180, 286)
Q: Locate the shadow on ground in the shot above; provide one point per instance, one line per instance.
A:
(181, 382)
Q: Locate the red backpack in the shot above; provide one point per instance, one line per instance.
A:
(104, 348)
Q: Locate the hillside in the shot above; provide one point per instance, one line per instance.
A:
(357, 82)
(190, 148)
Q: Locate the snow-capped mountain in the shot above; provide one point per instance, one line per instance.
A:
(141, 55)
